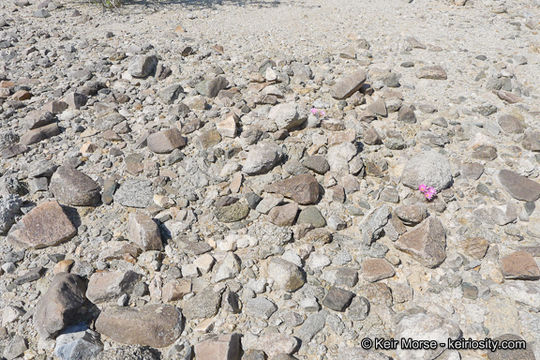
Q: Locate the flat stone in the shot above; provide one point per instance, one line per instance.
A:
(151, 325)
(520, 265)
(519, 187)
(203, 305)
(511, 124)
(377, 269)
(348, 85)
(260, 307)
(484, 152)
(283, 215)
(175, 290)
(45, 225)
(261, 159)
(521, 354)
(78, 343)
(377, 293)
(311, 326)
(472, 171)
(426, 243)
(435, 72)
(378, 107)
(135, 193)
(165, 141)
(37, 118)
(373, 224)
(72, 187)
(304, 189)
(286, 275)
(316, 163)
(62, 305)
(232, 213)
(411, 214)
(36, 135)
(144, 231)
(109, 285)
(337, 299)
(286, 116)
(429, 168)
(222, 347)
(142, 66)
(228, 126)
(311, 215)
(531, 141)
(476, 247)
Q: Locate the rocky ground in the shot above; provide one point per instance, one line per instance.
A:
(241, 180)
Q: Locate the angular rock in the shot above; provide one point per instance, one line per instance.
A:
(222, 347)
(211, 87)
(261, 159)
(304, 189)
(45, 225)
(337, 299)
(62, 305)
(143, 231)
(472, 171)
(435, 72)
(429, 168)
(150, 325)
(175, 290)
(109, 285)
(313, 324)
(78, 343)
(260, 307)
(519, 187)
(286, 275)
(520, 265)
(232, 213)
(373, 224)
(311, 215)
(36, 135)
(228, 126)
(406, 114)
(72, 187)
(170, 93)
(228, 268)
(37, 118)
(203, 305)
(274, 344)
(165, 141)
(316, 163)
(15, 348)
(9, 208)
(377, 269)
(142, 66)
(476, 247)
(511, 124)
(286, 116)
(426, 243)
(283, 215)
(411, 214)
(348, 85)
(521, 354)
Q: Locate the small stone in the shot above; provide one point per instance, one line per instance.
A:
(469, 291)
(476, 247)
(169, 94)
(520, 265)
(435, 72)
(75, 100)
(484, 152)
(311, 215)
(286, 275)
(151, 325)
(63, 266)
(109, 187)
(519, 187)
(337, 299)
(378, 107)
(348, 85)
(72, 187)
(260, 307)
(511, 124)
(142, 66)
(45, 225)
(232, 213)
(373, 223)
(175, 290)
(109, 285)
(36, 135)
(531, 141)
(165, 141)
(222, 347)
(377, 269)
(203, 305)
(286, 116)
(429, 168)
(304, 189)
(228, 126)
(283, 215)
(472, 171)
(311, 327)
(42, 13)
(62, 305)
(411, 214)
(426, 243)
(261, 159)
(406, 114)
(36, 119)
(9, 209)
(316, 163)
(143, 231)
(78, 343)
(228, 268)
(15, 347)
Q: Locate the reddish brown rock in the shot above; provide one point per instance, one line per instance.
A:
(144, 232)
(72, 187)
(40, 134)
(283, 215)
(377, 269)
(426, 243)
(165, 141)
(520, 265)
(304, 189)
(223, 347)
(45, 225)
(175, 290)
(151, 325)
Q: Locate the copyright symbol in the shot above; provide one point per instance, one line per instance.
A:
(366, 343)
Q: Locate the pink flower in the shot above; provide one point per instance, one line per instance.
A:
(314, 111)
(430, 193)
(422, 188)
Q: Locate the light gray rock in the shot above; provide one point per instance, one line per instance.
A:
(228, 268)
(373, 224)
(109, 285)
(429, 168)
(286, 116)
(286, 275)
(143, 231)
(262, 158)
(313, 324)
(78, 343)
(9, 208)
(135, 193)
(142, 66)
(260, 307)
(348, 85)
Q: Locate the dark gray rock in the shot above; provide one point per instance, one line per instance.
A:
(72, 187)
